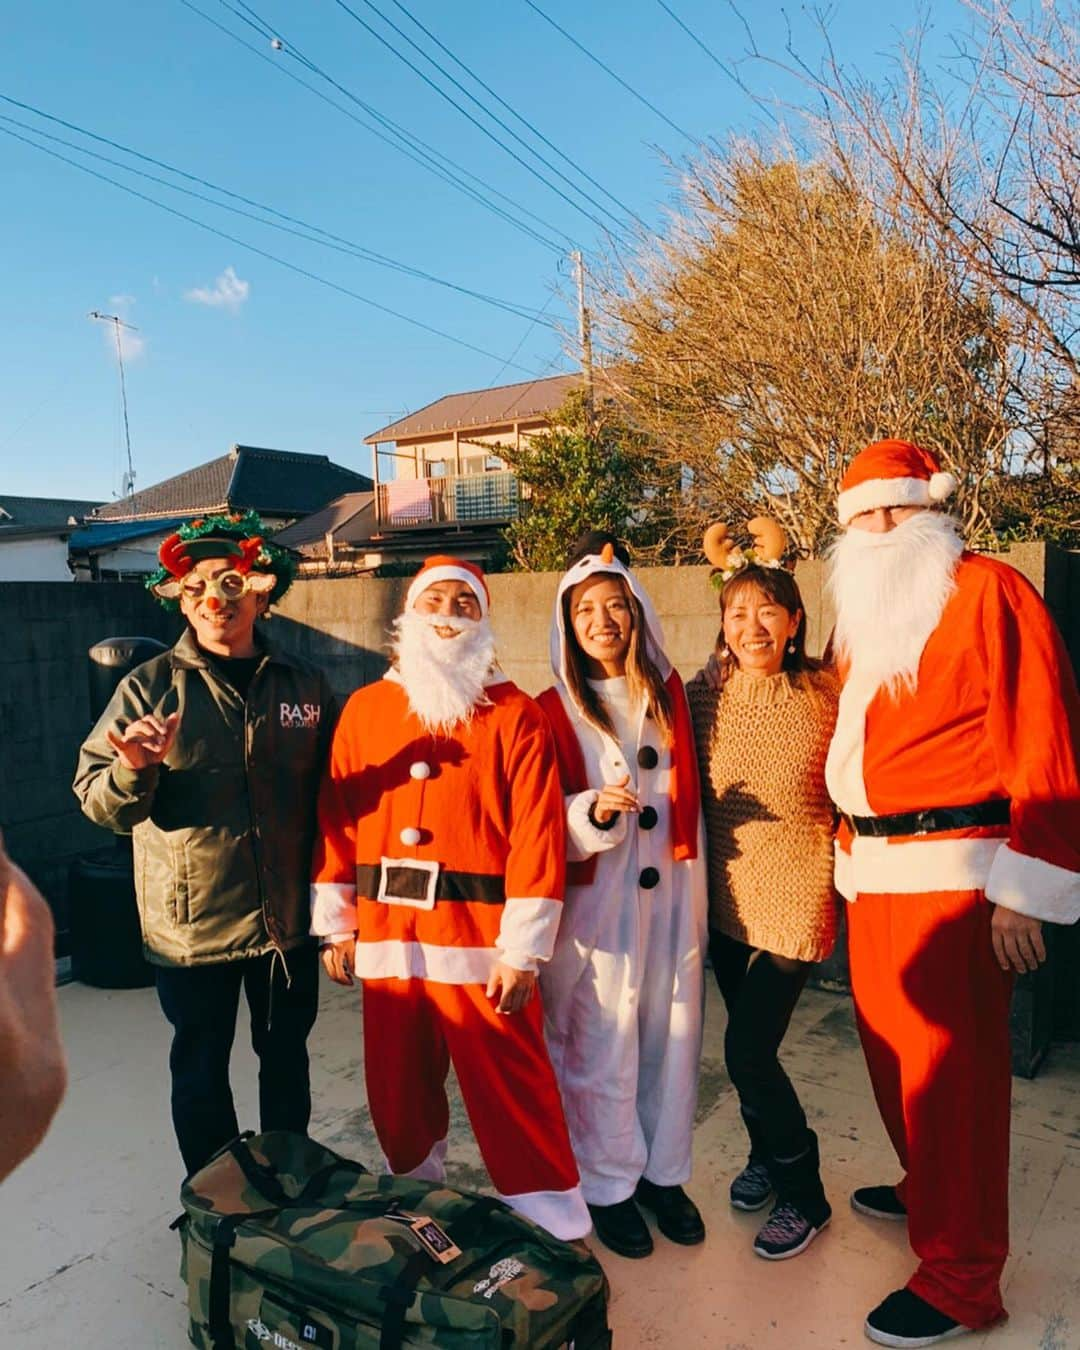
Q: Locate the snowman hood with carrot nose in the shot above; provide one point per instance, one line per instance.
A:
(604, 563)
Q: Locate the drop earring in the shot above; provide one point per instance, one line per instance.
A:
(791, 647)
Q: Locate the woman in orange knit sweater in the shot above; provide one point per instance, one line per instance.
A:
(763, 717)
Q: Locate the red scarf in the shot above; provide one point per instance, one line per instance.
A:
(685, 790)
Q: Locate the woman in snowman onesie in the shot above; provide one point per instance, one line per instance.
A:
(623, 992)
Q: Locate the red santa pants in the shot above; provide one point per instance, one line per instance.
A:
(413, 1029)
(933, 1013)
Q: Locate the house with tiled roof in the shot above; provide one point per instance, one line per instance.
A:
(440, 481)
(121, 538)
(34, 534)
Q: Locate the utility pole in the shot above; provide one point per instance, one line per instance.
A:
(118, 323)
(584, 336)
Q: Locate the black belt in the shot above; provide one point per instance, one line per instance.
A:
(934, 820)
(481, 887)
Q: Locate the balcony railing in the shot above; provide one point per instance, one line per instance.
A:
(466, 499)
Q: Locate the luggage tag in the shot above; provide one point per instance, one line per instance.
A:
(434, 1239)
(407, 881)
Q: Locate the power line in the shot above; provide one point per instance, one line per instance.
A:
(468, 115)
(260, 252)
(693, 36)
(523, 120)
(415, 149)
(617, 78)
(290, 49)
(426, 151)
(334, 241)
(728, 71)
(496, 119)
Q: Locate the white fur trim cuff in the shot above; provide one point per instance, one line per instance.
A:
(584, 837)
(527, 932)
(1031, 886)
(919, 867)
(432, 1168)
(877, 492)
(333, 908)
(446, 572)
(563, 1213)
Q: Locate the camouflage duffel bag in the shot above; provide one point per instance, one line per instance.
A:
(287, 1245)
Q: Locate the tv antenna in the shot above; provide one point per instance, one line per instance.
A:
(128, 487)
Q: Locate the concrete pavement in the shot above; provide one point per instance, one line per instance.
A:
(87, 1260)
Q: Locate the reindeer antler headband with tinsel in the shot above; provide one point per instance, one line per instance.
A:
(238, 537)
(728, 558)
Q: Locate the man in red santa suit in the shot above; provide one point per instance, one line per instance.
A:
(954, 767)
(438, 883)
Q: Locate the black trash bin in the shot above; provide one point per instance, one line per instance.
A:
(106, 944)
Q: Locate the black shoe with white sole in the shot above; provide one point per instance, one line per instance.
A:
(905, 1320)
(787, 1231)
(751, 1189)
(879, 1202)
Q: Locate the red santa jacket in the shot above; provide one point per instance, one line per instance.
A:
(995, 714)
(480, 809)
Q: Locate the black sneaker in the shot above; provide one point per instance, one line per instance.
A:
(622, 1228)
(677, 1217)
(752, 1188)
(905, 1319)
(787, 1232)
(880, 1202)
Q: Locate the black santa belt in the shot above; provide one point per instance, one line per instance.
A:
(934, 820)
(481, 887)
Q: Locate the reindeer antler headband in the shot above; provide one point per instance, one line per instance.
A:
(728, 558)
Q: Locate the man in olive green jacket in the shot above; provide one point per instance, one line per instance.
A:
(210, 756)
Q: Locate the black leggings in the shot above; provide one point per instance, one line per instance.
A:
(760, 998)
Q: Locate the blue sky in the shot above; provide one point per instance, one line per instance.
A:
(233, 347)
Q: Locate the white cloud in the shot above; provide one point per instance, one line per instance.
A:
(228, 292)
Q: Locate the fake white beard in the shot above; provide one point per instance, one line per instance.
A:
(890, 590)
(443, 677)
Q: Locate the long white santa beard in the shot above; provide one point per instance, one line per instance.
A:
(443, 677)
(890, 591)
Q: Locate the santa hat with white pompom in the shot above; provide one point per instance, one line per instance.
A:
(892, 473)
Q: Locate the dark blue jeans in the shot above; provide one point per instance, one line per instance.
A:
(201, 1002)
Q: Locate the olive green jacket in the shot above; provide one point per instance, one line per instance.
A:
(222, 831)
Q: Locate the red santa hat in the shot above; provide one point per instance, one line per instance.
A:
(441, 567)
(892, 473)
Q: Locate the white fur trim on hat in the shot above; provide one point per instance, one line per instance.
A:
(877, 492)
(446, 572)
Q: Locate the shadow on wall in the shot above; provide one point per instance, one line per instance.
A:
(347, 664)
(48, 629)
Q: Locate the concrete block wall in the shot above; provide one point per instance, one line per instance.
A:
(47, 628)
(341, 624)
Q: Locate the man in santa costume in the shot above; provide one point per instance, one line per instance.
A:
(438, 883)
(955, 770)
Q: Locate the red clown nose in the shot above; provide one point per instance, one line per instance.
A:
(213, 604)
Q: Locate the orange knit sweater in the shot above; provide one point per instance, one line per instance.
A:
(768, 818)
